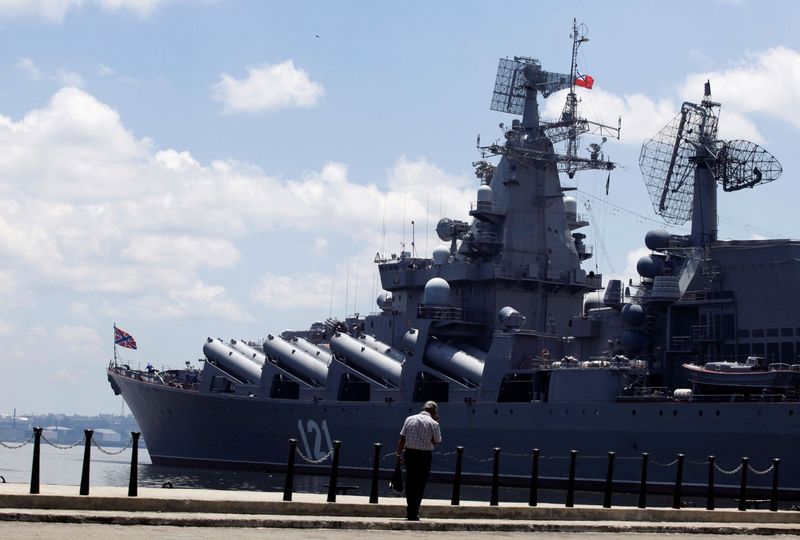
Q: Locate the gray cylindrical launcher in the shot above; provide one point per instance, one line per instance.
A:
(447, 358)
(382, 347)
(233, 361)
(248, 351)
(323, 355)
(367, 359)
(295, 359)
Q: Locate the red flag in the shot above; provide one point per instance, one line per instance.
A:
(586, 81)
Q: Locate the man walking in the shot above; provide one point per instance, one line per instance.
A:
(419, 435)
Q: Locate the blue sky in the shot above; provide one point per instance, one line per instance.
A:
(209, 168)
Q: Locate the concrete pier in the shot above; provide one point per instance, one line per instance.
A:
(217, 508)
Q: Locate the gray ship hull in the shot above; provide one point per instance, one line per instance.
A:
(183, 427)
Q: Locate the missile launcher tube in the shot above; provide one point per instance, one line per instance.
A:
(382, 347)
(233, 361)
(295, 359)
(248, 351)
(448, 359)
(367, 359)
(323, 355)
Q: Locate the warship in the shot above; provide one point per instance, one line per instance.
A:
(521, 347)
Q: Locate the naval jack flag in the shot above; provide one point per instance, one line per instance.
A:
(123, 338)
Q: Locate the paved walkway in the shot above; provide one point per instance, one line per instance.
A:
(217, 508)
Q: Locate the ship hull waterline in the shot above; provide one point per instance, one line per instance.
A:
(183, 427)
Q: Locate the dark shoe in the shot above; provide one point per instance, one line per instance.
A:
(412, 518)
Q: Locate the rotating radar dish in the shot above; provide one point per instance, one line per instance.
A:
(668, 161)
(744, 164)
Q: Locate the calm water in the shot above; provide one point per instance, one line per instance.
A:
(64, 467)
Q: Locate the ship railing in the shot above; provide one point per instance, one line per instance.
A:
(485, 206)
(440, 313)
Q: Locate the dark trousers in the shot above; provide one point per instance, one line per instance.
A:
(418, 467)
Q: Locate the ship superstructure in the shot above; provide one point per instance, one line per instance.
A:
(521, 346)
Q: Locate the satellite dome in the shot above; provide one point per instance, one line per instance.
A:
(510, 317)
(633, 314)
(592, 300)
(441, 254)
(384, 301)
(571, 205)
(632, 342)
(649, 266)
(437, 293)
(657, 239)
(485, 194)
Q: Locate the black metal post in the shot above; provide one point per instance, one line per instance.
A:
(37, 442)
(743, 487)
(710, 502)
(609, 481)
(288, 483)
(573, 456)
(533, 497)
(456, 499)
(133, 483)
(376, 461)
(87, 454)
(773, 503)
(676, 498)
(643, 482)
(495, 500)
(334, 480)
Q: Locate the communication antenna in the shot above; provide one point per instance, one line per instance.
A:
(518, 83)
(413, 238)
(686, 151)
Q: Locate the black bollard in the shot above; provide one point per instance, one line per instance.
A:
(495, 500)
(676, 498)
(37, 442)
(573, 456)
(609, 481)
(743, 487)
(456, 499)
(710, 503)
(376, 461)
(773, 503)
(133, 483)
(87, 454)
(533, 497)
(288, 483)
(334, 480)
(643, 482)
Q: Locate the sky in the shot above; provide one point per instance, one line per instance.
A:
(229, 168)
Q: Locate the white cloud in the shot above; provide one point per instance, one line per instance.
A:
(69, 78)
(63, 76)
(56, 10)
(30, 69)
(267, 88)
(767, 83)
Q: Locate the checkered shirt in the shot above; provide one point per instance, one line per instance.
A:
(421, 431)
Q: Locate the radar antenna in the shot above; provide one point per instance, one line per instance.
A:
(516, 87)
(673, 159)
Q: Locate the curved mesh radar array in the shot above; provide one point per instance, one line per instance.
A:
(669, 160)
(515, 76)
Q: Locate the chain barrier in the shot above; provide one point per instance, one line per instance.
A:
(14, 446)
(62, 446)
(113, 452)
(732, 471)
(756, 471)
(693, 462)
(665, 465)
(314, 461)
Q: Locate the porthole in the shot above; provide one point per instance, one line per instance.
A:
(633, 412)
(674, 413)
(660, 413)
(717, 413)
(699, 413)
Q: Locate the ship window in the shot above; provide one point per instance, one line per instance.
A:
(758, 349)
(758, 332)
(674, 413)
(633, 412)
(699, 413)
(787, 331)
(728, 326)
(717, 413)
(773, 351)
(743, 333)
(772, 332)
(743, 350)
